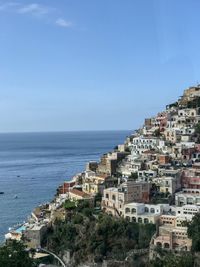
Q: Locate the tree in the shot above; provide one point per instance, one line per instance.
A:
(157, 133)
(97, 199)
(173, 260)
(14, 254)
(98, 237)
(69, 205)
(134, 176)
(194, 232)
(195, 103)
(197, 128)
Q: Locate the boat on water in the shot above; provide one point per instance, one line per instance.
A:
(16, 196)
(1, 193)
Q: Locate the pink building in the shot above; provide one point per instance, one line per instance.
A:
(191, 178)
(161, 120)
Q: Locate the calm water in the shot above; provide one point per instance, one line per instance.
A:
(43, 161)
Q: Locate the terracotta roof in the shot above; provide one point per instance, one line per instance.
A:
(79, 193)
(150, 152)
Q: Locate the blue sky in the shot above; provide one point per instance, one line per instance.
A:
(94, 64)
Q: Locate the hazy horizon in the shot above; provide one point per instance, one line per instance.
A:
(67, 131)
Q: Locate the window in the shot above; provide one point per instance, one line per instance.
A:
(127, 210)
(158, 244)
(166, 245)
(133, 219)
(152, 210)
(133, 210)
(113, 197)
(107, 196)
(146, 209)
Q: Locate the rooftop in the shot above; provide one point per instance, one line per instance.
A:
(79, 193)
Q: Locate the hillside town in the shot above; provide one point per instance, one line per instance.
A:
(153, 178)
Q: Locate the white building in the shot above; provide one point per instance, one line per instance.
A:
(188, 112)
(188, 197)
(129, 165)
(144, 213)
(141, 144)
(187, 211)
(146, 175)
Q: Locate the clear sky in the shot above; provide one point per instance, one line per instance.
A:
(94, 64)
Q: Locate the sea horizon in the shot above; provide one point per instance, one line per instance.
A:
(66, 131)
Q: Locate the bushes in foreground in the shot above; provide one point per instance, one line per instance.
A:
(14, 254)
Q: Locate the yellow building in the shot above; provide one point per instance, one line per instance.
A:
(94, 185)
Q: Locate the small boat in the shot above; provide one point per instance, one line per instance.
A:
(18, 176)
(1, 193)
(16, 196)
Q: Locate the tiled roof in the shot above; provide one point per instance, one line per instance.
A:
(79, 193)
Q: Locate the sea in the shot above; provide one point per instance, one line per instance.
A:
(33, 165)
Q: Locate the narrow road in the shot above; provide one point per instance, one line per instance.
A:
(54, 255)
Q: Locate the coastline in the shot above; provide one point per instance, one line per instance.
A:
(65, 164)
(149, 184)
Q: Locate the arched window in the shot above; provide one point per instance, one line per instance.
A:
(133, 219)
(127, 210)
(133, 210)
(113, 197)
(139, 220)
(128, 218)
(166, 245)
(107, 196)
(146, 209)
(152, 210)
(159, 245)
(146, 220)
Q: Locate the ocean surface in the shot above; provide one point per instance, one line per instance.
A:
(33, 165)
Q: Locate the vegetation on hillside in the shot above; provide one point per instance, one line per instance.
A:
(195, 103)
(169, 259)
(89, 236)
(157, 133)
(194, 232)
(14, 254)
